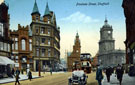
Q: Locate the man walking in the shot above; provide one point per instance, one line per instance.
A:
(99, 75)
(119, 72)
(108, 73)
(17, 79)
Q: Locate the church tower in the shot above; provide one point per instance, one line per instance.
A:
(73, 60)
(76, 47)
(106, 42)
(35, 13)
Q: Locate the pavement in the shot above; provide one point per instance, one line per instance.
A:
(22, 77)
(25, 77)
(127, 80)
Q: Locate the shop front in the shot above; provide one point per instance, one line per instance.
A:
(6, 66)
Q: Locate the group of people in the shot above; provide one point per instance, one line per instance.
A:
(108, 71)
(17, 73)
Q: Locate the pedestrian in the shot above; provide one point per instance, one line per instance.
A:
(17, 79)
(22, 71)
(17, 71)
(44, 69)
(119, 72)
(99, 75)
(50, 70)
(13, 72)
(30, 75)
(108, 73)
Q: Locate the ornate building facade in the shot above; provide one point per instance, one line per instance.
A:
(73, 60)
(5, 41)
(129, 12)
(108, 55)
(46, 38)
(130, 30)
(22, 47)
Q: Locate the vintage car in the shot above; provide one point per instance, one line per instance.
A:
(78, 77)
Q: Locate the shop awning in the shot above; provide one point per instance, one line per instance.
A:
(5, 61)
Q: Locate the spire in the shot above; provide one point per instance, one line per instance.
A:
(35, 9)
(47, 11)
(106, 21)
(77, 35)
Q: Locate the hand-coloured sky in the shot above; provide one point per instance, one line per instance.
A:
(71, 17)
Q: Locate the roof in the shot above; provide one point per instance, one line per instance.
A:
(106, 25)
(35, 8)
(5, 61)
(47, 11)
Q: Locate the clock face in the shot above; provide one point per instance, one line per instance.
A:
(77, 51)
(109, 32)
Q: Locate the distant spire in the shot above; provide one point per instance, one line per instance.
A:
(35, 9)
(77, 35)
(106, 21)
(47, 11)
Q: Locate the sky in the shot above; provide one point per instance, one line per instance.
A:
(83, 16)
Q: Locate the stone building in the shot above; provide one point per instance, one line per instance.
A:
(46, 38)
(5, 41)
(22, 47)
(73, 59)
(108, 55)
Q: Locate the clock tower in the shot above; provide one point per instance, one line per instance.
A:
(73, 60)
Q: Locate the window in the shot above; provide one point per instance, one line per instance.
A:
(36, 30)
(16, 43)
(37, 18)
(49, 31)
(42, 30)
(37, 41)
(49, 52)
(48, 20)
(16, 57)
(1, 29)
(43, 52)
(8, 48)
(5, 46)
(24, 60)
(43, 40)
(23, 44)
(1, 45)
(16, 39)
(30, 45)
(37, 52)
(13, 46)
(16, 61)
(48, 41)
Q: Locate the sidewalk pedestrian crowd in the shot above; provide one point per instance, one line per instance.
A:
(108, 72)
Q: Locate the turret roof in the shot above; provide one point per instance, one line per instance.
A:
(47, 11)
(35, 8)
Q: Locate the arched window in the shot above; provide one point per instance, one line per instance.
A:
(23, 44)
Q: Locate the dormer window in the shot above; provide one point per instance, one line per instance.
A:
(48, 21)
(37, 18)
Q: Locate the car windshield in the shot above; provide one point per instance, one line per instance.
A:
(78, 73)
